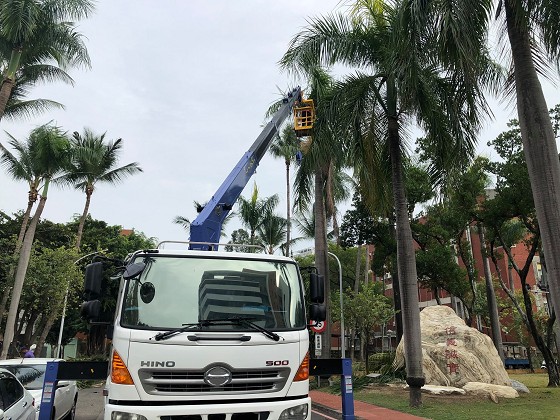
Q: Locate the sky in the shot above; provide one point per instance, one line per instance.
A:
(186, 85)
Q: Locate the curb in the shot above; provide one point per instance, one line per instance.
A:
(326, 410)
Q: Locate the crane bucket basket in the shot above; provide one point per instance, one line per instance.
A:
(304, 116)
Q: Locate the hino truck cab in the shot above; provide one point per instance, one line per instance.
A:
(209, 335)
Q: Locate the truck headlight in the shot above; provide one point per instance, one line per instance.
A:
(119, 415)
(298, 412)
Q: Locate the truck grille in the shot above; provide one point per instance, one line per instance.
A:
(263, 415)
(185, 382)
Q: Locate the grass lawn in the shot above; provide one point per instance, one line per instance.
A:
(541, 404)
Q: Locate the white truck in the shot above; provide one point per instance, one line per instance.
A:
(209, 335)
(201, 335)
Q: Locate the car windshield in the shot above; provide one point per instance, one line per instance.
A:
(186, 290)
(31, 376)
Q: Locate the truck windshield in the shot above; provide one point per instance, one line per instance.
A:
(188, 290)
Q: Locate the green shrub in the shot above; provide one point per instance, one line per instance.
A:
(379, 361)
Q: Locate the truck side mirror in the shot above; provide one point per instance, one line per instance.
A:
(318, 312)
(317, 288)
(90, 310)
(93, 280)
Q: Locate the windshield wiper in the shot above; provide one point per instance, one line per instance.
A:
(241, 321)
(171, 333)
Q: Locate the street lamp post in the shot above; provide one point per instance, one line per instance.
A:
(59, 342)
(343, 338)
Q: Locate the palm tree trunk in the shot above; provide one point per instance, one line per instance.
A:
(539, 146)
(356, 289)
(25, 221)
(396, 294)
(5, 92)
(491, 295)
(30, 203)
(9, 80)
(321, 256)
(288, 216)
(89, 192)
(21, 235)
(406, 261)
(329, 201)
(21, 270)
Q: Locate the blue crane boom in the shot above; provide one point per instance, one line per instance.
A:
(206, 228)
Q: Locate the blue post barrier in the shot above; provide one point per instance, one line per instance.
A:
(346, 390)
(49, 389)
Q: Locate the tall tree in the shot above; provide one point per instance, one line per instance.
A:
(49, 159)
(531, 26)
(533, 31)
(398, 81)
(95, 161)
(36, 33)
(20, 167)
(511, 218)
(285, 147)
(315, 183)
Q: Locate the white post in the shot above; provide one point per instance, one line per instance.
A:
(343, 338)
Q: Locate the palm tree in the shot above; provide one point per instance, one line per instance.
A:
(19, 166)
(18, 107)
(397, 82)
(315, 179)
(286, 147)
(35, 33)
(183, 222)
(305, 222)
(50, 156)
(94, 161)
(272, 231)
(252, 211)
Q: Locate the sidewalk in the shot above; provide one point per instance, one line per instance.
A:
(332, 405)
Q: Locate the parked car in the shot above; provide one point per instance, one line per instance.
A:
(15, 401)
(31, 373)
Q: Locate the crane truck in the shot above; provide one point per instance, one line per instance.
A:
(201, 335)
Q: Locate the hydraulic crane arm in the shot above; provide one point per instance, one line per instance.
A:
(206, 228)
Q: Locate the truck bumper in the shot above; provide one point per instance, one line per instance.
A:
(239, 410)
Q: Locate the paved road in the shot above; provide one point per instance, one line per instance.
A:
(90, 406)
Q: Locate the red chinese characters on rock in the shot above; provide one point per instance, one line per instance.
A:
(450, 353)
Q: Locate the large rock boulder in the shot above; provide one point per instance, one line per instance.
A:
(453, 353)
(490, 390)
